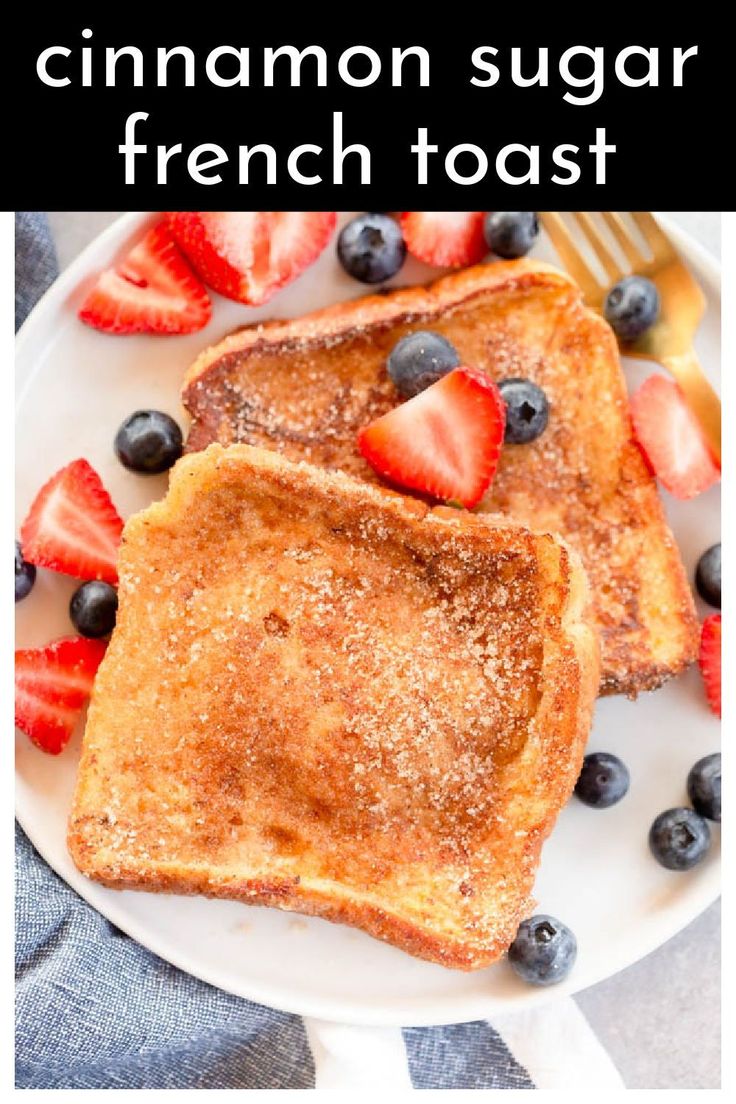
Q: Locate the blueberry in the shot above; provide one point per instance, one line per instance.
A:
(371, 248)
(704, 786)
(679, 838)
(527, 410)
(25, 574)
(149, 442)
(544, 950)
(511, 234)
(708, 576)
(603, 781)
(93, 608)
(419, 360)
(631, 307)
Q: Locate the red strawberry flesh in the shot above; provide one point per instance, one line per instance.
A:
(444, 442)
(710, 660)
(73, 526)
(447, 239)
(668, 433)
(249, 255)
(51, 687)
(152, 290)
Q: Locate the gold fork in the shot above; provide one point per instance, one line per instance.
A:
(670, 339)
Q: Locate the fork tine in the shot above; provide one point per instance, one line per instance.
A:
(602, 252)
(656, 239)
(617, 227)
(569, 253)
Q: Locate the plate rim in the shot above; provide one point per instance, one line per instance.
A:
(456, 1009)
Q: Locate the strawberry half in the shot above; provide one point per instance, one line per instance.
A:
(444, 442)
(710, 660)
(249, 255)
(73, 526)
(152, 290)
(51, 686)
(671, 439)
(448, 239)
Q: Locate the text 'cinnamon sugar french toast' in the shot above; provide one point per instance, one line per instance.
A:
(327, 697)
(305, 387)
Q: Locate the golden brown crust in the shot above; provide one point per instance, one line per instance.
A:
(304, 387)
(330, 698)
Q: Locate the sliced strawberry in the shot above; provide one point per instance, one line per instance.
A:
(710, 660)
(671, 439)
(51, 686)
(448, 239)
(444, 442)
(73, 526)
(152, 290)
(249, 255)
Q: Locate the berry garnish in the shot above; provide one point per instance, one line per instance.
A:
(25, 574)
(419, 360)
(444, 442)
(249, 255)
(51, 687)
(603, 781)
(679, 838)
(631, 307)
(708, 576)
(152, 290)
(447, 239)
(149, 442)
(511, 234)
(710, 660)
(704, 786)
(671, 439)
(527, 410)
(93, 608)
(371, 248)
(544, 950)
(73, 526)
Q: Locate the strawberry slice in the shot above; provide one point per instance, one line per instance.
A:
(444, 442)
(710, 660)
(249, 255)
(51, 686)
(152, 290)
(73, 526)
(671, 439)
(448, 239)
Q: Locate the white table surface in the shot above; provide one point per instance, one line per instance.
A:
(659, 1019)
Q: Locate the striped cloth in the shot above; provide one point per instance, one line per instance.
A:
(96, 1010)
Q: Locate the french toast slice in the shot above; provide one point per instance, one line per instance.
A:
(326, 697)
(305, 387)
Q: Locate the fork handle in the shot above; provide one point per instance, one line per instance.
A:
(701, 398)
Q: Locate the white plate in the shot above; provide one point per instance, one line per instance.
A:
(76, 386)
